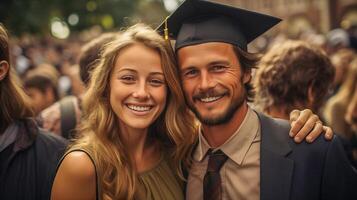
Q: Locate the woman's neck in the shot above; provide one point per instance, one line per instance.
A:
(144, 154)
(134, 140)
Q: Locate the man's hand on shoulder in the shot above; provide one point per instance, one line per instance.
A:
(307, 125)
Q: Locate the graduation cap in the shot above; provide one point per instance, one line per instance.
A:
(199, 21)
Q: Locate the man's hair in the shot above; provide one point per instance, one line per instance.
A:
(287, 71)
(41, 82)
(90, 54)
(15, 103)
(248, 61)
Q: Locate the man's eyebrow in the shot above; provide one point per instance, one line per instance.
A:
(220, 62)
(187, 68)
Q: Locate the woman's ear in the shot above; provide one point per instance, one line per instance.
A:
(4, 68)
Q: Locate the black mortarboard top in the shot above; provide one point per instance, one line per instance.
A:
(199, 21)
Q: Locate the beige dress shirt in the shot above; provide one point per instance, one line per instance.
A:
(240, 174)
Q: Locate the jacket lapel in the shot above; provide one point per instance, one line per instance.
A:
(275, 168)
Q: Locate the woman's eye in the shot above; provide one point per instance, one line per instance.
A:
(127, 79)
(157, 82)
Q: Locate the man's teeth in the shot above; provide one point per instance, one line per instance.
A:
(210, 99)
(139, 108)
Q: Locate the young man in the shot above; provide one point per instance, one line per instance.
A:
(242, 154)
(42, 89)
(28, 155)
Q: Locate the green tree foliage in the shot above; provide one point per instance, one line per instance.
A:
(34, 16)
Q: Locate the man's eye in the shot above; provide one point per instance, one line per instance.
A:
(218, 68)
(190, 73)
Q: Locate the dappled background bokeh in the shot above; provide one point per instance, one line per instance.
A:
(52, 32)
(84, 19)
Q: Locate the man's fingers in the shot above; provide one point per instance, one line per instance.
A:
(301, 121)
(328, 132)
(307, 128)
(316, 131)
(294, 115)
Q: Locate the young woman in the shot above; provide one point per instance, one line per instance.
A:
(341, 110)
(136, 127)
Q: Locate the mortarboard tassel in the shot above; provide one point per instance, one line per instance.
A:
(166, 33)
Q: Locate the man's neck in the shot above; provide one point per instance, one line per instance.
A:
(277, 113)
(219, 134)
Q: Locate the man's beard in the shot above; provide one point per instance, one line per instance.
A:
(226, 116)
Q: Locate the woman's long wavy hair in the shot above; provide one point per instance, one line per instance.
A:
(349, 85)
(14, 102)
(174, 127)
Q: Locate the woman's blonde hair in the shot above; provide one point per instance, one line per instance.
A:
(15, 103)
(348, 87)
(174, 127)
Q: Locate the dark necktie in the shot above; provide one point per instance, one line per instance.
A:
(212, 188)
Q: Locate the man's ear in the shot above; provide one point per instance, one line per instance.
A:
(310, 96)
(4, 68)
(247, 76)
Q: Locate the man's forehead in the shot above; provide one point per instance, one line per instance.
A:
(204, 48)
(205, 53)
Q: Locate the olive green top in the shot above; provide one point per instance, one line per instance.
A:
(158, 183)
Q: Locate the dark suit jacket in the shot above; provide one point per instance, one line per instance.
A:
(303, 171)
(28, 166)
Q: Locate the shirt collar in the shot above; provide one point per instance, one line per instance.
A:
(8, 137)
(237, 146)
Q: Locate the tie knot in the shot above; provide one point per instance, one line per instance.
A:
(216, 160)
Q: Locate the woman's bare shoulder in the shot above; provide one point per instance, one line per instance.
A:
(78, 163)
(75, 178)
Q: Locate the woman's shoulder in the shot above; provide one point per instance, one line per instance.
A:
(78, 163)
(76, 177)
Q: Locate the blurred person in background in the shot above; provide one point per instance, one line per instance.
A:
(90, 54)
(341, 60)
(41, 85)
(64, 116)
(337, 39)
(295, 75)
(28, 155)
(340, 112)
(292, 75)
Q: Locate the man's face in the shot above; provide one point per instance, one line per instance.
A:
(212, 81)
(40, 100)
